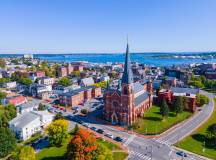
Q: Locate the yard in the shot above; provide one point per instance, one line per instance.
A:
(57, 153)
(195, 142)
(153, 123)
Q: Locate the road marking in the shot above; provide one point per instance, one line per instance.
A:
(129, 140)
(140, 155)
(162, 141)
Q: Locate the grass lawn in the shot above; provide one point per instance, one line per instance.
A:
(152, 123)
(194, 142)
(58, 153)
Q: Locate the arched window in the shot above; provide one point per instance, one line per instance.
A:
(115, 104)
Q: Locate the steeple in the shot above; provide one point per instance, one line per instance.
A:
(127, 77)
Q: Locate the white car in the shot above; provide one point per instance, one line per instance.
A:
(86, 125)
(109, 135)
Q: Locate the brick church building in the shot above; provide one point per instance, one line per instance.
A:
(129, 100)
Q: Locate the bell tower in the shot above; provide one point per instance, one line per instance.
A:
(127, 97)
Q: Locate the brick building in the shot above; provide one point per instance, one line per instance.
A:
(130, 100)
(173, 92)
(79, 96)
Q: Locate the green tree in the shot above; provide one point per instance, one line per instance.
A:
(185, 103)
(178, 105)
(103, 153)
(211, 130)
(26, 153)
(59, 115)
(201, 99)
(76, 73)
(57, 132)
(2, 96)
(2, 63)
(164, 109)
(25, 81)
(64, 81)
(41, 107)
(7, 141)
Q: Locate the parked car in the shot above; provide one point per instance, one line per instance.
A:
(101, 131)
(181, 153)
(109, 135)
(93, 128)
(86, 125)
(118, 139)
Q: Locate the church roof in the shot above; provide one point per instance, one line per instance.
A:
(127, 77)
(137, 87)
(141, 98)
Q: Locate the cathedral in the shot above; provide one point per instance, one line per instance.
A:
(129, 100)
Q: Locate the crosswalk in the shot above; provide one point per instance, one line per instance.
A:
(136, 155)
(162, 141)
(129, 140)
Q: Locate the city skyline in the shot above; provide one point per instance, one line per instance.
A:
(102, 27)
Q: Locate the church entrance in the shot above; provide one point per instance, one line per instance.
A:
(114, 118)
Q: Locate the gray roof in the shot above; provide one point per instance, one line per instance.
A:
(87, 81)
(141, 98)
(77, 91)
(23, 119)
(127, 77)
(184, 90)
(30, 104)
(137, 87)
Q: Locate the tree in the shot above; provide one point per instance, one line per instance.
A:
(103, 153)
(57, 132)
(64, 81)
(211, 130)
(82, 146)
(26, 153)
(84, 111)
(2, 63)
(201, 99)
(41, 107)
(76, 73)
(185, 103)
(76, 129)
(59, 115)
(2, 96)
(7, 141)
(164, 109)
(178, 105)
(25, 81)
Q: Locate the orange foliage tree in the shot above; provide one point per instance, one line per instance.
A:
(82, 146)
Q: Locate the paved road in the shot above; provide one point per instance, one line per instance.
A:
(158, 148)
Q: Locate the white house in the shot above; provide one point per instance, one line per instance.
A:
(46, 80)
(87, 82)
(45, 117)
(25, 125)
(10, 85)
(28, 106)
(105, 78)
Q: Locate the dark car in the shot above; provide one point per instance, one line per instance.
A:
(94, 128)
(181, 153)
(118, 139)
(101, 131)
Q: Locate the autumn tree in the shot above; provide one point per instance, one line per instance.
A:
(26, 153)
(82, 146)
(57, 132)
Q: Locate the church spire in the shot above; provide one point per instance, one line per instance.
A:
(127, 77)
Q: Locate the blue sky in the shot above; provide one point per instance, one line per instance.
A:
(71, 26)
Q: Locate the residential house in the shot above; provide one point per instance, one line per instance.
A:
(87, 82)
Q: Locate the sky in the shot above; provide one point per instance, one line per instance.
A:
(96, 26)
